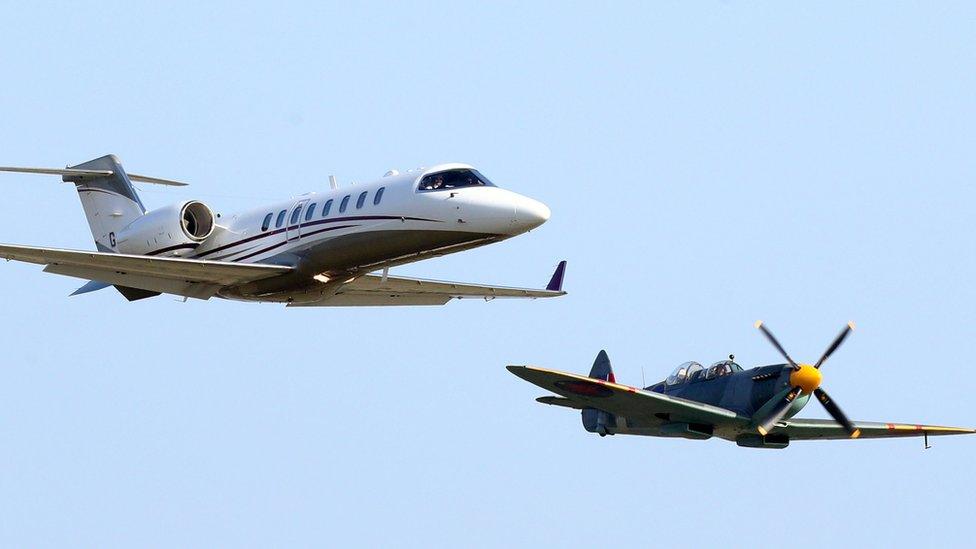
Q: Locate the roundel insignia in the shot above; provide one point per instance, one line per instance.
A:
(584, 388)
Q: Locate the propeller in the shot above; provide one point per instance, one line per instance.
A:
(804, 379)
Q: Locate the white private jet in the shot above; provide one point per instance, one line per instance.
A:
(316, 250)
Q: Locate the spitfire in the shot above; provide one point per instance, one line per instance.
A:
(754, 408)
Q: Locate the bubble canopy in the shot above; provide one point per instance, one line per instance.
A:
(683, 372)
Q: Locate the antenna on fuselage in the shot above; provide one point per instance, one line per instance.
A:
(333, 183)
(643, 381)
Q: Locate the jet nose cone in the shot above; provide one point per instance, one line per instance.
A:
(529, 213)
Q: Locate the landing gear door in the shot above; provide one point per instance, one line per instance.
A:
(293, 230)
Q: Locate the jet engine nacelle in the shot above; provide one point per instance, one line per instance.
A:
(172, 231)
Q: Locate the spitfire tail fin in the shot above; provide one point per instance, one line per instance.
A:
(596, 421)
(601, 368)
(109, 200)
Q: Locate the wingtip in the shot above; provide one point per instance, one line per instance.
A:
(762, 431)
(758, 324)
(856, 433)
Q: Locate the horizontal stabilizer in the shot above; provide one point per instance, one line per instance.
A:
(70, 174)
(91, 286)
(156, 180)
(559, 401)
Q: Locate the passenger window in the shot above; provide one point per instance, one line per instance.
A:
(326, 208)
(343, 204)
(281, 218)
(310, 212)
(378, 196)
(267, 222)
(362, 200)
(295, 214)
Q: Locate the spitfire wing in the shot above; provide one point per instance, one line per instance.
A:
(185, 277)
(813, 429)
(622, 400)
(393, 290)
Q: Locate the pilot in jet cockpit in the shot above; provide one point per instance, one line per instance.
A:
(454, 179)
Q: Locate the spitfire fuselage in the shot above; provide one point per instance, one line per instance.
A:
(743, 392)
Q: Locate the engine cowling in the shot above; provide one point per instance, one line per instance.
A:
(172, 231)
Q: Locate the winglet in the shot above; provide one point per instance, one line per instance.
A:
(556, 282)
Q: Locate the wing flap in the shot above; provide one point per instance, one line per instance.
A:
(186, 277)
(815, 429)
(376, 290)
(198, 290)
(623, 400)
(375, 300)
(458, 290)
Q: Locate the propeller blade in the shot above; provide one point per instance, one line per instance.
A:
(777, 412)
(835, 344)
(772, 339)
(835, 413)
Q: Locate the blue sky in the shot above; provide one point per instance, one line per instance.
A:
(706, 166)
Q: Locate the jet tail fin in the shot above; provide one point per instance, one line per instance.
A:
(106, 192)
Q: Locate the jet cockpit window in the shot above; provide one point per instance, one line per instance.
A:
(361, 200)
(453, 179)
(680, 374)
(344, 204)
(695, 371)
(722, 368)
(310, 212)
(267, 222)
(326, 208)
(281, 219)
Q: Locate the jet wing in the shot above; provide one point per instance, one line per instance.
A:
(813, 429)
(392, 290)
(185, 277)
(621, 400)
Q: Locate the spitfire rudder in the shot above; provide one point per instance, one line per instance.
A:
(597, 421)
